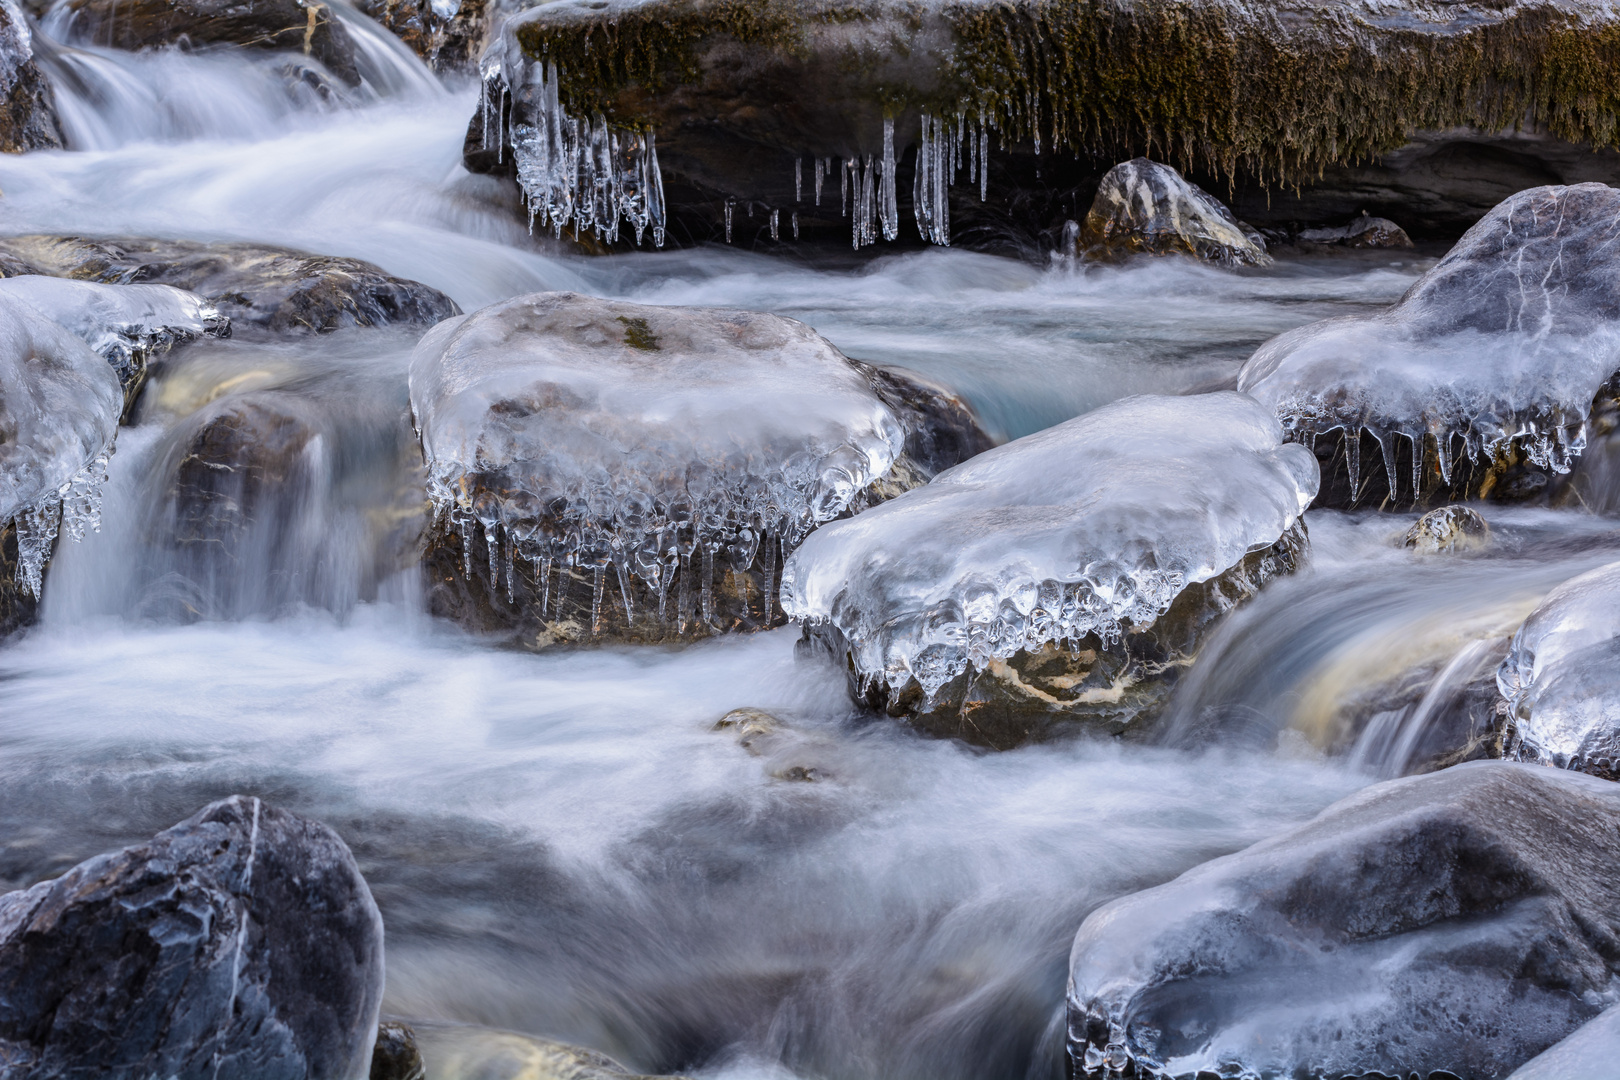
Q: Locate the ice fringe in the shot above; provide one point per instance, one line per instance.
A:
(571, 431)
(581, 173)
(67, 350)
(1090, 527)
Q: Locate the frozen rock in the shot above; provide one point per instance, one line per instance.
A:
(1496, 352)
(28, 118)
(1593, 1051)
(254, 285)
(1448, 529)
(1558, 680)
(294, 26)
(1459, 922)
(242, 943)
(1143, 206)
(1062, 546)
(1362, 232)
(616, 471)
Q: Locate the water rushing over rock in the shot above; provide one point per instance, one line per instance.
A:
(1082, 530)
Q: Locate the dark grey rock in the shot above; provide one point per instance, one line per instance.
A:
(396, 1056)
(1147, 207)
(27, 110)
(1462, 921)
(241, 943)
(1362, 232)
(445, 44)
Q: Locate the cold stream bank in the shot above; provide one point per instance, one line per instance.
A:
(654, 623)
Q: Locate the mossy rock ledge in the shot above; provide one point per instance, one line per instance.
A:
(1304, 111)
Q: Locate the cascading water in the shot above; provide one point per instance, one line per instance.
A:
(565, 844)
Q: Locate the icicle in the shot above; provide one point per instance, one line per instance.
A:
(984, 159)
(889, 204)
(1416, 439)
(1386, 449)
(729, 205)
(1442, 447)
(931, 187)
(767, 556)
(1352, 460)
(624, 592)
(493, 540)
(596, 599)
(511, 590)
(795, 224)
(706, 601)
(775, 230)
(843, 189)
(821, 174)
(545, 585)
(466, 550)
(798, 180)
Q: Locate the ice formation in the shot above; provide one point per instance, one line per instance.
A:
(585, 174)
(59, 408)
(1558, 677)
(1080, 529)
(572, 431)
(1502, 344)
(124, 324)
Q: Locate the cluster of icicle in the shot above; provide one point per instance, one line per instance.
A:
(584, 174)
(74, 508)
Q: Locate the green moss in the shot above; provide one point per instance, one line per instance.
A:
(638, 335)
(1201, 84)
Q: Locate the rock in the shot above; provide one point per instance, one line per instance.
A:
(1592, 1051)
(1016, 592)
(1492, 358)
(464, 1052)
(1143, 206)
(1362, 232)
(241, 943)
(446, 43)
(1428, 112)
(310, 29)
(1557, 682)
(1448, 529)
(605, 471)
(396, 1057)
(1459, 922)
(256, 286)
(28, 118)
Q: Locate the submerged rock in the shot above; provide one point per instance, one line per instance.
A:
(1362, 232)
(1448, 529)
(1459, 922)
(464, 1052)
(1558, 681)
(242, 943)
(307, 28)
(1040, 582)
(396, 1055)
(1493, 355)
(27, 110)
(1143, 206)
(612, 471)
(254, 285)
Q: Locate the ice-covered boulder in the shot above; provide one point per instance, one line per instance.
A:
(292, 26)
(1559, 678)
(1593, 1051)
(1045, 573)
(255, 286)
(1495, 353)
(242, 943)
(609, 470)
(1144, 206)
(28, 120)
(1459, 923)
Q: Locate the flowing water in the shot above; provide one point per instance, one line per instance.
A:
(563, 844)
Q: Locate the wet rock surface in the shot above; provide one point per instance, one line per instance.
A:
(1459, 922)
(991, 603)
(242, 943)
(1490, 362)
(1448, 529)
(1145, 207)
(28, 118)
(292, 26)
(259, 288)
(465, 1052)
(396, 1055)
(446, 43)
(616, 472)
(1362, 232)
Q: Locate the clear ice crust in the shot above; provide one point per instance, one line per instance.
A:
(67, 348)
(1558, 677)
(1503, 344)
(1083, 528)
(595, 433)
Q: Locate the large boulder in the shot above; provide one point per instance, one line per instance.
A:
(1558, 682)
(1491, 360)
(256, 286)
(612, 471)
(1456, 923)
(241, 943)
(1143, 206)
(1063, 578)
(305, 27)
(28, 118)
(1269, 97)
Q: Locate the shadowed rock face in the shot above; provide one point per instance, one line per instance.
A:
(240, 943)
(276, 25)
(27, 111)
(1494, 356)
(1461, 921)
(1143, 206)
(445, 44)
(256, 286)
